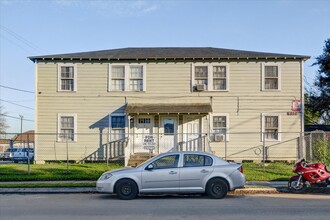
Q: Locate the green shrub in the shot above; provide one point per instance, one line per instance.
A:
(321, 151)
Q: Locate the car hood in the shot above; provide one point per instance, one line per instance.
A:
(125, 169)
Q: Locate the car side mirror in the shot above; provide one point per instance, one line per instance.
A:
(150, 167)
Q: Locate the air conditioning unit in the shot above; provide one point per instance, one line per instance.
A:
(200, 87)
(219, 137)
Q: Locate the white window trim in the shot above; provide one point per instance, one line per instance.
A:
(110, 124)
(59, 115)
(279, 126)
(59, 76)
(263, 65)
(227, 123)
(127, 76)
(210, 75)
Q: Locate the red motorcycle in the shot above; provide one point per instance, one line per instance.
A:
(315, 175)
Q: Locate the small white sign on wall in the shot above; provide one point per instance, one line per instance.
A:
(149, 142)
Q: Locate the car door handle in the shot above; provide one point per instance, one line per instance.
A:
(173, 172)
(204, 171)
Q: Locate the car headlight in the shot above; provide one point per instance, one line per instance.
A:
(105, 176)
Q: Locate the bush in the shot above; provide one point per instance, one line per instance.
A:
(321, 151)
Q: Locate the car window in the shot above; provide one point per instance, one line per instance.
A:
(195, 160)
(170, 161)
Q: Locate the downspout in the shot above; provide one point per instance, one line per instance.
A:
(302, 110)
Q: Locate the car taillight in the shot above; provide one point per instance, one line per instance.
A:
(240, 169)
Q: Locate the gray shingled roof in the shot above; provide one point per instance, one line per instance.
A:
(162, 53)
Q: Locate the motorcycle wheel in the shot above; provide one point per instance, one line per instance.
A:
(296, 187)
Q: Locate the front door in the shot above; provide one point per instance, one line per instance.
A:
(144, 127)
(192, 135)
(168, 134)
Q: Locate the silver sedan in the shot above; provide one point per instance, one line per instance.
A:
(175, 172)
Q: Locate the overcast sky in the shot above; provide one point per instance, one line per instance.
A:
(41, 27)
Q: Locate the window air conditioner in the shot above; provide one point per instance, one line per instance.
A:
(219, 137)
(200, 87)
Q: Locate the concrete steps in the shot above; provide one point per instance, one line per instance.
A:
(138, 158)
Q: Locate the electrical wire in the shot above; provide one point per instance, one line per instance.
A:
(16, 104)
(20, 90)
(8, 116)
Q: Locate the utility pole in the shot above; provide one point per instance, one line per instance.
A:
(21, 116)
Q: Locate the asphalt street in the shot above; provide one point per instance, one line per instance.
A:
(101, 206)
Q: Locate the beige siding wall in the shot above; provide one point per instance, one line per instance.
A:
(167, 82)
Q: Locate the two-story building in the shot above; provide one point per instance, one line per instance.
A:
(230, 102)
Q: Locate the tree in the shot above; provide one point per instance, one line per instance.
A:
(3, 123)
(319, 100)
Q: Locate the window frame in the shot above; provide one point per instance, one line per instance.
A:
(263, 117)
(210, 81)
(59, 128)
(177, 160)
(111, 129)
(59, 76)
(279, 76)
(226, 128)
(127, 79)
(205, 156)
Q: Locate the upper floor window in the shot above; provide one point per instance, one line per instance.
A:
(271, 127)
(67, 127)
(126, 77)
(219, 78)
(67, 77)
(271, 77)
(211, 77)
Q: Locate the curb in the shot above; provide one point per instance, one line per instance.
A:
(59, 190)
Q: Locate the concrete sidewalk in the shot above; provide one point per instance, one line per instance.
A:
(252, 187)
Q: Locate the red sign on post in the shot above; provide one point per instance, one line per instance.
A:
(296, 105)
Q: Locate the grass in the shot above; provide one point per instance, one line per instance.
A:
(53, 172)
(269, 172)
(58, 171)
(47, 185)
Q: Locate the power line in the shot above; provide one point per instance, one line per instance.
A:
(21, 39)
(16, 104)
(20, 90)
(8, 116)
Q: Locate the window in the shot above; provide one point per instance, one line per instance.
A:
(126, 77)
(201, 75)
(212, 77)
(144, 120)
(168, 126)
(118, 78)
(271, 126)
(67, 127)
(67, 75)
(136, 78)
(193, 160)
(166, 162)
(118, 124)
(271, 77)
(219, 78)
(219, 127)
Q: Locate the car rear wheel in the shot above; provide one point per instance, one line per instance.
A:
(216, 189)
(126, 189)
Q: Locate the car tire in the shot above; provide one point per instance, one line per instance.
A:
(216, 189)
(126, 189)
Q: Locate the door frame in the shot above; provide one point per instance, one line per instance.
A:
(161, 126)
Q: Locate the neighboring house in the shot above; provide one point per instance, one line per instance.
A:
(24, 140)
(229, 102)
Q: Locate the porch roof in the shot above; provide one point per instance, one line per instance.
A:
(167, 108)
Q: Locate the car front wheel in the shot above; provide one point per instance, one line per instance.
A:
(126, 189)
(216, 189)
